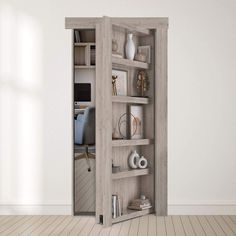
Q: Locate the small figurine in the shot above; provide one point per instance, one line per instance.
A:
(142, 82)
(114, 90)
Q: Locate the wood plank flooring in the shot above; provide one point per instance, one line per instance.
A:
(143, 226)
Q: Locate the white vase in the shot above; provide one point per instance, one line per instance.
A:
(133, 159)
(142, 163)
(129, 47)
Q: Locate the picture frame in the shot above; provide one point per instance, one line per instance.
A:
(136, 121)
(121, 82)
(146, 50)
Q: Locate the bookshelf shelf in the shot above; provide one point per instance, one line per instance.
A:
(130, 173)
(84, 67)
(129, 214)
(131, 142)
(84, 44)
(127, 99)
(129, 63)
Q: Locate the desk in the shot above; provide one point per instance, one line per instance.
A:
(79, 111)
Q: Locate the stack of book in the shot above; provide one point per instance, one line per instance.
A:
(140, 204)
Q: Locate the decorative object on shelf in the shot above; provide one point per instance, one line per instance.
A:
(136, 121)
(114, 46)
(115, 134)
(115, 169)
(123, 124)
(114, 90)
(142, 82)
(140, 57)
(140, 204)
(142, 163)
(116, 206)
(146, 50)
(120, 82)
(134, 159)
(130, 47)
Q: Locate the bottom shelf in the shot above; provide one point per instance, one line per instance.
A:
(129, 214)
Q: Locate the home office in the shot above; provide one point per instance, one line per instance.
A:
(84, 122)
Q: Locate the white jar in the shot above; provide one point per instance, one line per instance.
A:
(130, 47)
(133, 160)
(142, 163)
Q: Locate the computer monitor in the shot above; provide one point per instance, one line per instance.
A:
(82, 92)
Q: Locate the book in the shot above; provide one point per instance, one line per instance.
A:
(114, 206)
(77, 36)
(118, 206)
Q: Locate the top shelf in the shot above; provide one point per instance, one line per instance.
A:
(128, 99)
(84, 44)
(130, 63)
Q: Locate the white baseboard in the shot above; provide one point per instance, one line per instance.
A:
(202, 209)
(35, 210)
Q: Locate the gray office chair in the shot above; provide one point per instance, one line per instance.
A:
(85, 135)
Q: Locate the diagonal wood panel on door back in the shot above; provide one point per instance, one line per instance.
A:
(147, 225)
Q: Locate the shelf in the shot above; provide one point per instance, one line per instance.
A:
(130, 63)
(130, 142)
(127, 99)
(130, 173)
(84, 67)
(84, 44)
(132, 214)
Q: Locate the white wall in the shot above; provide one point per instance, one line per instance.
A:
(35, 102)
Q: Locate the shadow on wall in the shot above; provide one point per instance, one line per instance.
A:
(21, 109)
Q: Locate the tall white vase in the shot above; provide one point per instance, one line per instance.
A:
(129, 47)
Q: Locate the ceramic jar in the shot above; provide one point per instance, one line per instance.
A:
(142, 163)
(133, 160)
(130, 47)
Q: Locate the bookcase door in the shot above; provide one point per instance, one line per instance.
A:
(103, 122)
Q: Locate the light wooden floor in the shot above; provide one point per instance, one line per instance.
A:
(84, 186)
(147, 225)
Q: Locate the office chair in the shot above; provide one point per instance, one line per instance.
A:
(85, 135)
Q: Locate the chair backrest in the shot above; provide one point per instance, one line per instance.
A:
(85, 127)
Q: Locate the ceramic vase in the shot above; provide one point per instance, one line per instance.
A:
(133, 159)
(142, 163)
(130, 47)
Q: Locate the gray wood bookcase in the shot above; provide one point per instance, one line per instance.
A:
(129, 184)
